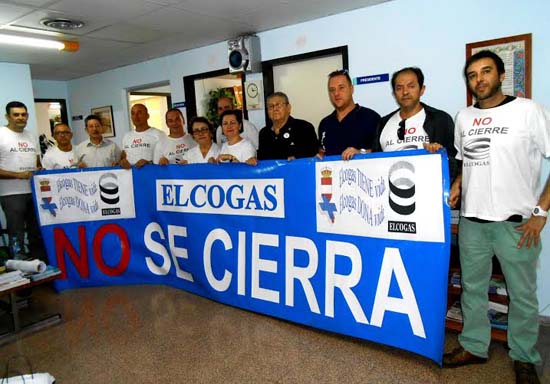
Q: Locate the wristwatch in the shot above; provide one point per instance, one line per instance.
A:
(538, 211)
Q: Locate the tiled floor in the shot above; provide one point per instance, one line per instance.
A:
(157, 334)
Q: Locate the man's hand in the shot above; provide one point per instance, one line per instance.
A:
(454, 198)
(432, 147)
(349, 152)
(142, 162)
(252, 161)
(124, 163)
(163, 161)
(531, 231)
(83, 165)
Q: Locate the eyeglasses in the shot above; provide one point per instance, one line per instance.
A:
(401, 130)
(63, 133)
(226, 123)
(275, 106)
(199, 131)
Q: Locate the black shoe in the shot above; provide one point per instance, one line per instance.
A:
(460, 357)
(525, 373)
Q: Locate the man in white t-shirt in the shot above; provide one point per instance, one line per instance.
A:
(415, 125)
(61, 156)
(19, 158)
(138, 146)
(173, 149)
(501, 141)
(250, 132)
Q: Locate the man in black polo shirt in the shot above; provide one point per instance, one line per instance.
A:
(286, 138)
(350, 129)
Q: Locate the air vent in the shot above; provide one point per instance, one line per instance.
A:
(62, 24)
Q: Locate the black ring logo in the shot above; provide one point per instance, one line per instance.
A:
(402, 188)
(108, 188)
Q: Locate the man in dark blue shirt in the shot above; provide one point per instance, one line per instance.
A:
(350, 129)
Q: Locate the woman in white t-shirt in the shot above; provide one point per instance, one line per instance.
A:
(206, 151)
(237, 149)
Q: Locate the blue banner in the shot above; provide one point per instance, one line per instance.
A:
(359, 247)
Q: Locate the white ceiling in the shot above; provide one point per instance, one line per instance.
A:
(123, 32)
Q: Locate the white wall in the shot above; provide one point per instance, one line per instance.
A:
(380, 39)
(16, 85)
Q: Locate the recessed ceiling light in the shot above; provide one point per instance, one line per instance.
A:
(62, 24)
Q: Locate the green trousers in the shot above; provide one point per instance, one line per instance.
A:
(478, 243)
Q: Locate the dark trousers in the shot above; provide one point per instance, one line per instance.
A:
(21, 218)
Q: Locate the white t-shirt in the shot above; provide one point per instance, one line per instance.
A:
(250, 132)
(502, 150)
(18, 153)
(173, 149)
(415, 135)
(54, 158)
(194, 155)
(141, 145)
(243, 150)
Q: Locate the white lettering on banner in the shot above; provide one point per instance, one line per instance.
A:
(245, 197)
(259, 265)
(301, 274)
(344, 282)
(176, 252)
(392, 264)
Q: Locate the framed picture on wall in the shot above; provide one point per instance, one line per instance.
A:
(106, 116)
(515, 51)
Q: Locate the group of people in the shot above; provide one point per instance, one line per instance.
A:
(495, 149)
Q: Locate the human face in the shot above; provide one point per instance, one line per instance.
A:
(278, 109)
(484, 80)
(224, 104)
(139, 116)
(230, 126)
(17, 118)
(201, 133)
(340, 92)
(63, 135)
(95, 130)
(175, 122)
(407, 91)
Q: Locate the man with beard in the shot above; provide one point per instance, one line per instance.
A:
(351, 128)
(415, 125)
(501, 141)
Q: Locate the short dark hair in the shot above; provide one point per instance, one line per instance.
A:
(417, 71)
(15, 104)
(174, 110)
(92, 117)
(340, 72)
(233, 112)
(278, 94)
(485, 54)
(200, 119)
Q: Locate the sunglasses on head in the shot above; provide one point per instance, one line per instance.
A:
(401, 130)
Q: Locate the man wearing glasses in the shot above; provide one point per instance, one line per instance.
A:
(19, 159)
(173, 149)
(350, 129)
(61, 156)
(286, 138)
(415, 125)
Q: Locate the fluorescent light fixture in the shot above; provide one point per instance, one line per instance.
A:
(40, 43)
